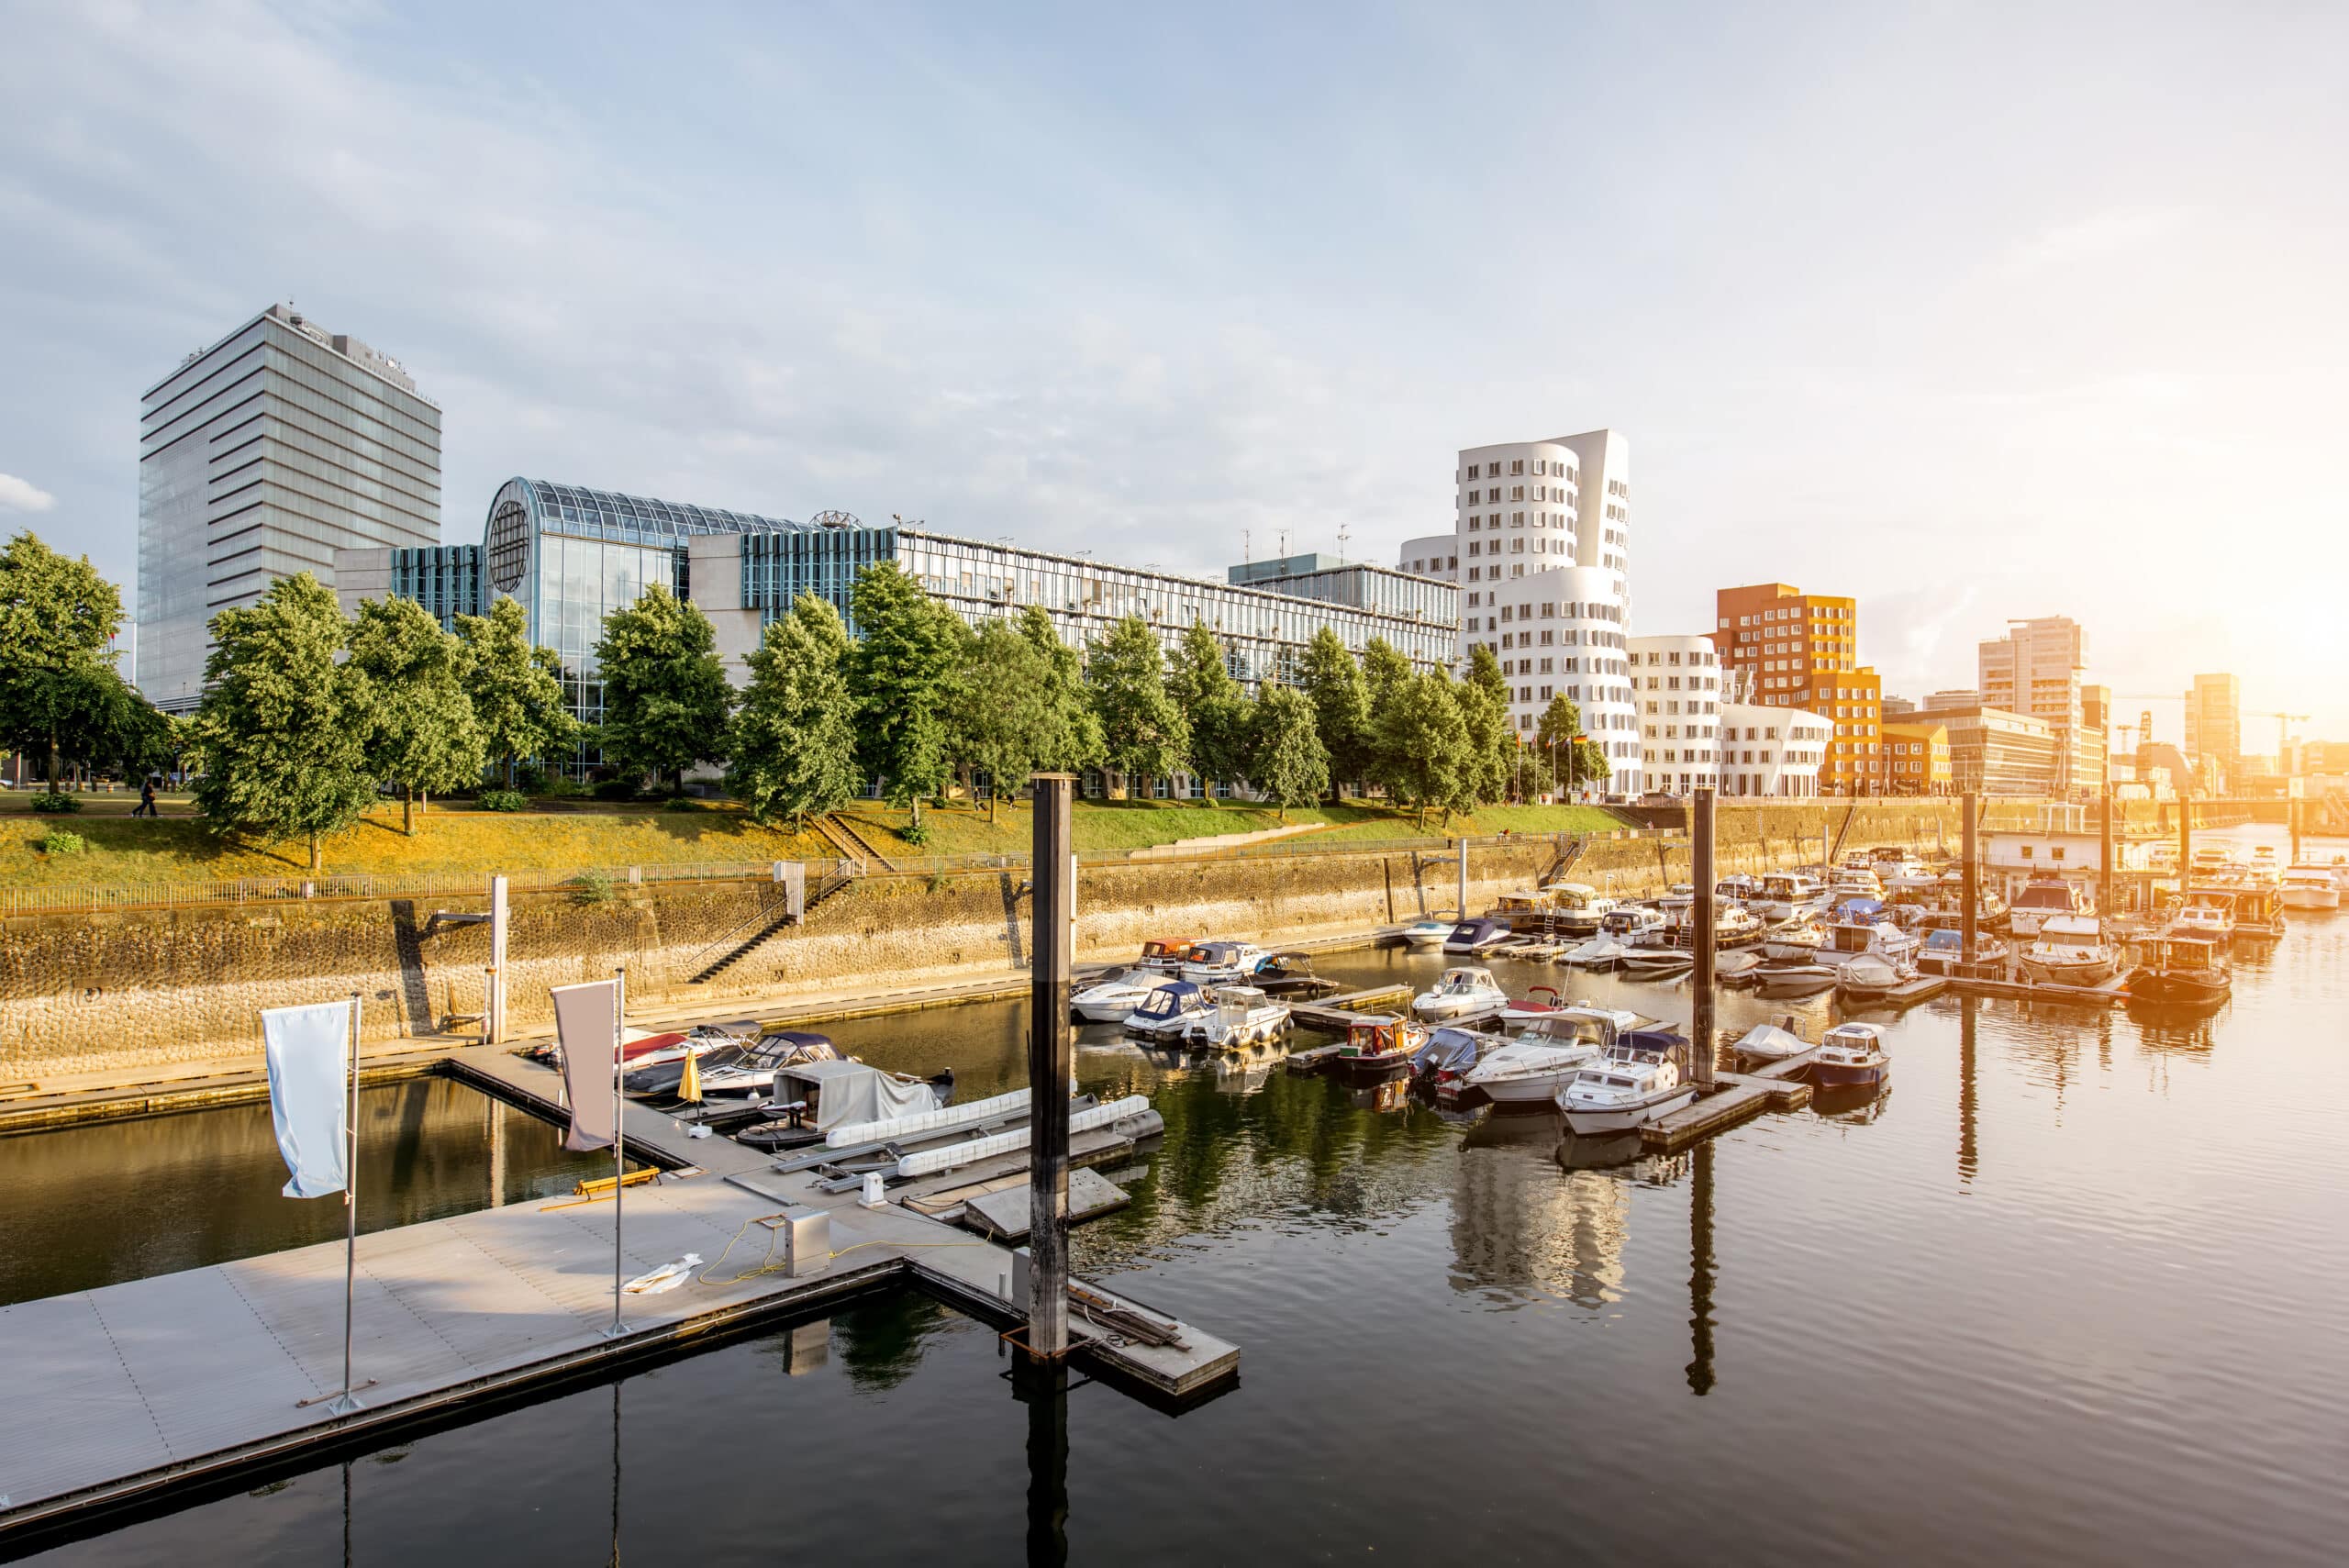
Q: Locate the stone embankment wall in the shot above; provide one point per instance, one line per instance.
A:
(125, 992)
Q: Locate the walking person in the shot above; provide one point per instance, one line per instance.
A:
(146, 807)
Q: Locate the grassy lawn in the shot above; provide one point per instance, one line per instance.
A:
(1139, 824)
(579, 835)
(179, 849)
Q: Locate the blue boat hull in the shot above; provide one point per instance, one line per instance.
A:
(1838, 1077)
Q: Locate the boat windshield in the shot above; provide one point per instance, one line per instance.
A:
(2045, 896)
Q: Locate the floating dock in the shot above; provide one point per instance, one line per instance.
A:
(1735, 1097)
(1335, 1015)
(123, 1391)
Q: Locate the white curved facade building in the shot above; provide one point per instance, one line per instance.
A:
(1542, 542)
(1773, 751)
(1431, 555)
(1676, 680)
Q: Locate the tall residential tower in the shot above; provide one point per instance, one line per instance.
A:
(1543, 532)
(259, 457)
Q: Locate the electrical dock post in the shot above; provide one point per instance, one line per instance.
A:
(1702, 1047)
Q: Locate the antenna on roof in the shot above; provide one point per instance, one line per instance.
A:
(1345, 532)
(1246, 554)
(1284, 544)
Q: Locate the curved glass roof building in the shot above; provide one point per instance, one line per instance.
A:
(570, 555)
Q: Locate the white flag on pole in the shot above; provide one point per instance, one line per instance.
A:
(586, 1020)
(309, 1078)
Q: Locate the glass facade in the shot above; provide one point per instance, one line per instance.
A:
(778, 568)
(446, 579)
(259, 457)
(571, 556)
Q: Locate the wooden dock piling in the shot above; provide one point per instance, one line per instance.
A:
(1048, 1068)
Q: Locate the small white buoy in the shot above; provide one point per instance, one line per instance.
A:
(873, 1195)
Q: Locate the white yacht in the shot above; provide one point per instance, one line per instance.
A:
(1165, 1011)
(1870, 978)
(1851, 1054)
(1769, 1043)
(1108, 1001)
(2311, 886)
(2069, 949)
(1533, 1067)
(1637, 1082)
(1853, 881)
(1656, 960)
(1461, 991)
(1619, 929)
(1869, 934)
(1426, 933)
(1576, 909)
(1798, 942)
(2206, 914)
(1241, 1016)
(2045, 897)
(1213, 962)
(1786, 894)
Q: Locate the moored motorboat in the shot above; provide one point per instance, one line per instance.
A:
(1576, 909)
(1212, 963)
(1532, 1068)
(2070, 950)
(2311, 886)
(1869, 978)
(1766, 1044)
(1426, 933)
(1475, 936)
(1656, 963)
(1443, 1063)
(1944, 953)
(1164, 1012)
(2182, 968)
(1108, 1001)
(1377, 1043)
(2043, 898)
(1638, 1082)
(1785, 981)
(1851, 1054)
(1740, 968)
(1165, 955)
(1241, 1016)
(1290, 975)
(1460, 991)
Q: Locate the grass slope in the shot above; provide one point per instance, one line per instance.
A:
(577, 837)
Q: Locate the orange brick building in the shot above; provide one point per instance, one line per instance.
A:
(1802, 650)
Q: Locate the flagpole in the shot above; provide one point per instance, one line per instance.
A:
(349, 1401)
(619, 1141)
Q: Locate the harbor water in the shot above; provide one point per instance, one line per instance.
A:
(2068, 1290)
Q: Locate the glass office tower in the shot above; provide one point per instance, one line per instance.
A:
(259, 457)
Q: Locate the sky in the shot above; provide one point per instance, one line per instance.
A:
(1974, 312)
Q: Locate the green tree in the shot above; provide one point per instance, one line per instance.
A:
(665, 695)
(1386, 684)
(902, 674)
(1331, 678)
(1144, 733)
(793, 740)
(1073, 730)
(1424, 746)
(421, 734)
(1003, 720)
(515, 689)
(1220, 716)
(1484, 707)
(59, 692)
(1580, 760)
(282, 734)
(1286, 761)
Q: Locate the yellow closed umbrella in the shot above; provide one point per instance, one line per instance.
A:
(689, 1088)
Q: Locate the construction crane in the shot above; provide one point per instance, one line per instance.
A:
(2284, 722)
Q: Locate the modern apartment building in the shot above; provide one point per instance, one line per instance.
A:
(571, 555)
(1802, 650)
(2001, 754)
(1677, 681)
(1771, 751)
(2035, 669)
(2214, 726)
(1431, 555)
(259, 457)
(1917, 758)
(1543, 546)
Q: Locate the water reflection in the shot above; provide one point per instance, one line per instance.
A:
(1700, 1271)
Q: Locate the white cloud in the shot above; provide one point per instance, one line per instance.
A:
(22, 495)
